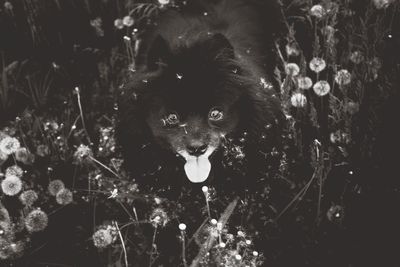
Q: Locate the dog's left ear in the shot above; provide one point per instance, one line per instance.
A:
(218, 44)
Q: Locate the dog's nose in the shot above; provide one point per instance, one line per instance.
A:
(196, 150)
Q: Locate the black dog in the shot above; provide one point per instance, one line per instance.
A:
(206, 83)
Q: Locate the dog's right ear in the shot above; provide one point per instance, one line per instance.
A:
(158, 54)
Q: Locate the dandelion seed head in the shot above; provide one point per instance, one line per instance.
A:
(352, 107)
(343, 77)
(317, 11)
(255, 253)
(163, 2)
(14, 170)
(222, 244)
(9, 145)
(28, 197)
(298, 100)
(11, 185)
(304, 83)
(36, 221)
(321, 88)
(22, 154)
(8, 6)
(317, 64)
(55, 186)
(83, 151)
(64, 197)
(42, 150)
(356, 57)
(292, 69)
(4, 215)
(128, 21)
(329, 31)
(10, 249)
(182, 226)
(119, 24)
(238, 257)
(6, 230)
(204, 189)
(102, 238)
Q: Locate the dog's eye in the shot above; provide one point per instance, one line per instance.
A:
(171, 119)
(215, 115)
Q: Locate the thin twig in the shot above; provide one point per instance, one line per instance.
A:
(104, 166)
(123, 244)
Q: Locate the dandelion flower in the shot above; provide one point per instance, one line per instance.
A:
(64, 196)
(11, 185)
(321, 88)
(128, 21)
(292, 69)
(119, 24)
(102, 238)
(9, 145)
(343, 77)
(317, 64)
(36, 221)
(22, 155)
(356, 57)
(14, 170)
(55, 186)
(298, 100)
(304, 83)
(317, 11)
(28, 197)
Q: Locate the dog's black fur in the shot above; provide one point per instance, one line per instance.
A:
(213, 54)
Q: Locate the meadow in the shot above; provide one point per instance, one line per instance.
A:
(66, 199)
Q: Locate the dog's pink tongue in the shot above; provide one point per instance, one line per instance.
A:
(197, 169)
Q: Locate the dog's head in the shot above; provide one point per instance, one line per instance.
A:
(193, 96)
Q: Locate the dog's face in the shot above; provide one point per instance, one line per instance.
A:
(194, 101)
